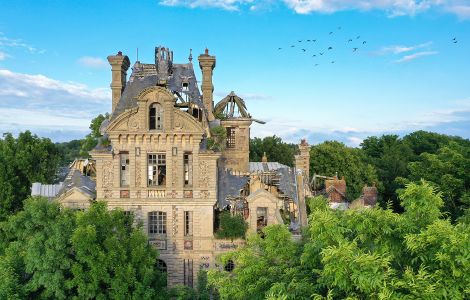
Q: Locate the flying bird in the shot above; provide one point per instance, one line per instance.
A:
(350, 40)
(314, 55)
(455, 42)
(279, 48)
(358, 37)
(300, 41)
(321, 53)
(316, 65)
(364, 42)
(331, 32)
(339, 28)
(308, 40)
(330, 48)
(333, 62)
(355, 49)
(304, 50)
(314, 41)
(292, 46)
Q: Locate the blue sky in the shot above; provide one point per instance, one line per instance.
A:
(409, 74)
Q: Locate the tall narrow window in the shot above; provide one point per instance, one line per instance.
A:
(157, 223)
(188, 272)
(124, 168)
(230, 137)
(188, 168)
(188, 223)
(156, 169)
(155, 116)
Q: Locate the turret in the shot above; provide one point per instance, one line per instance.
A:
(119, 66)
(302, 160)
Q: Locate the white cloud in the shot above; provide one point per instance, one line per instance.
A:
(93, 62)
(223, 4)
(47, 106)
(393, 8)
(3, 55)
(414, 56)
(398, 49)
(6, 42)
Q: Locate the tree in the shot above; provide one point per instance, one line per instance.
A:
(329, 158)
(447, 169)
(24, 160)
(51, 252)
(276, 150)
(91, 140)
(390, 157)
(356, 254)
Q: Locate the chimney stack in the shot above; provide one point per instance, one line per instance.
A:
(119, 66)
(302, 160)
(207, 65)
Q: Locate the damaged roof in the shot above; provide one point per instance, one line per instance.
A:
(75, 179)
(229, 185)
(146, 75)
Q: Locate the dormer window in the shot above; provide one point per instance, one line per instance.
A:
(156, 117)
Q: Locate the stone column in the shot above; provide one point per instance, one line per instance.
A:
(207, 65)
(119, 66)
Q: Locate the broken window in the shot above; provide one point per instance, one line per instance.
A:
(229, 266)
(188, 223)
(188, 168)
(124, 158)
(156, 170)
(157, 223)
(261, 218)
(230, 137)
(156, 117)
(161, 266)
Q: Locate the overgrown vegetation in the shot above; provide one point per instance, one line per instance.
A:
(356, 254)
(216, 142)
(231, 226)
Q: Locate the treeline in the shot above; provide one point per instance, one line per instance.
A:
(390, 162)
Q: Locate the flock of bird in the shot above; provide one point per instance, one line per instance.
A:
(353, 43)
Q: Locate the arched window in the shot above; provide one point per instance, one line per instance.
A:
(156, 116)
(229, 266)
(161, 266)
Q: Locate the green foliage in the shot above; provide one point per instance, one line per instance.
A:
(51, 252)
(262, 265)
(217, 140)
(231, 227)
(91, 140)
(69, 151)
(275, 149)
(203, 290)
(330, 157)
(356, 254)
(24, 160)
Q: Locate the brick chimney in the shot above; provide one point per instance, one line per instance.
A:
(207, 65)
(119, 66)
(302, 160)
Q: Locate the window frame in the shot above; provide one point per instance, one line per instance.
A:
(157, 223)
(156, 167)
(155, 116)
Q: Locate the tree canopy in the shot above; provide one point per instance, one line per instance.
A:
(24, 160)
(51, 252)
(275, 149)
(356, 254)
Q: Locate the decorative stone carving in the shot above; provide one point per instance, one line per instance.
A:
(174, 220)
(107, 174)
(108, 194)
(204, 174)
(205, 194)
(134, 123)
(138, 172)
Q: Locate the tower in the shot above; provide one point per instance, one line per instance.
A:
(302, 160)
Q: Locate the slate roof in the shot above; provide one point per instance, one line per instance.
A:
(228, 185)
(75, 179)
(265, 166)
(145, 75)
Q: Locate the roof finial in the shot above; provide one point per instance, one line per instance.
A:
(190, 55)
(207, 51)
(264, 158)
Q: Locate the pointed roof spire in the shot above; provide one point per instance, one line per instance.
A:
(190, 55)
(264, 158)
